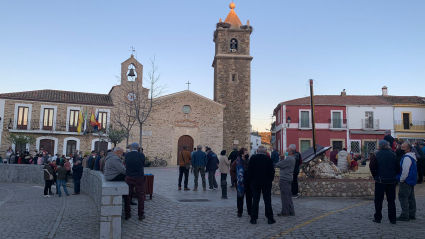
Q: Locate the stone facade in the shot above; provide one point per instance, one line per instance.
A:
(59, 134)
(331, 187)
(232, 83)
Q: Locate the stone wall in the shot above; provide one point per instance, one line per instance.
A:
(331, 187)
(108, 198)
(21, 173)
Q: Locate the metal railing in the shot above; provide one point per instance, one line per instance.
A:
(337, 123)
(370, 124)
(415, 125)
(49, 126)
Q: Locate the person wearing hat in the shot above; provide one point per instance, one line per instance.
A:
(384, 168)
(389, 138)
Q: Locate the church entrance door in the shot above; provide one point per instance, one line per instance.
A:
(184, 140)
(48, 145)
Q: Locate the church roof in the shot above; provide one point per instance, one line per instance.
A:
(61, 97)
(232, 18)
(190, 92)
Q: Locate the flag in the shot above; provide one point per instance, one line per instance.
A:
(93, 121)
(80, 122)
(96, 128)
(85, 123)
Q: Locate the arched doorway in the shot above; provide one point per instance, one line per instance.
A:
(184, 140)
(100, 146)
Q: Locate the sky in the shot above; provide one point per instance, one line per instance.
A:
(357, 45)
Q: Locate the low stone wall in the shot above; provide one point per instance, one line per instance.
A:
(331, 187)
(21, 173)
(108, 198)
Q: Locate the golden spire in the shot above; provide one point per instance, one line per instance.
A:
(232, 18)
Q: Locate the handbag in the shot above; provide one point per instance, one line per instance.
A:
(188, 164)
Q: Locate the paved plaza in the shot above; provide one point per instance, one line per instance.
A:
(25, 213)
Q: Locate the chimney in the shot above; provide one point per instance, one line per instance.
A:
(343, 93)
(384, 91)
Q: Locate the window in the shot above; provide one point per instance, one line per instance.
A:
(22, 117)
(233, 77)
(369, 120)
(103, 120)
(100, 146)
(48, 119)
(355, 146)
(305, 119)
(73, 120)
(336, 119)
(71, 147)
(186, 109)
(406, 121)
(305, 144)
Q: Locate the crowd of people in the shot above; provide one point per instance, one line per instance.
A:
(395, 163)
(251, 176)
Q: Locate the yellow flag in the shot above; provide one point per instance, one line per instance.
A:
(80, 123)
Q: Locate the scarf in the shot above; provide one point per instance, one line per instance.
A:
(240, 173)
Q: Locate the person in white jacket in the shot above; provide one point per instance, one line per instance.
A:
(343, 160)
(224, 167)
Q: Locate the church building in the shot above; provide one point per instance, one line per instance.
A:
(177, 119)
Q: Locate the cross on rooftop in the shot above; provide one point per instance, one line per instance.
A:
(188, 83)
(132, 50)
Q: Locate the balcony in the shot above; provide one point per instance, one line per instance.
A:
(55, 127)
(337, 124)
(370, 124)
(415, 125)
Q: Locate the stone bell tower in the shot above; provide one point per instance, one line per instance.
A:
(232, 78)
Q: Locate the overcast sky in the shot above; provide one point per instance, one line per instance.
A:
(357, 45)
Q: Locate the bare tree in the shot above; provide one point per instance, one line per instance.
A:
(123, 118)
(141, 100)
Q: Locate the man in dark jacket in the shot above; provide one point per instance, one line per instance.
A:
(332, 156)
(389, 138)
(398, 152)
(199, 162)
(232, 157)
(135, 178)
(212, 166)
(62, 174)
(97, 161)
(77, 173)
(90, 160)
(260, 177)
(384, 168)
(275, 156)
(298, 162)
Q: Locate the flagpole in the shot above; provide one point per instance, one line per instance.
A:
(312, 116)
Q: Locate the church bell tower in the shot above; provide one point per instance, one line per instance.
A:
(232, 78)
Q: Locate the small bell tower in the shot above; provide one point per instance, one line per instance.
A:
(131, 70)
(232, 78)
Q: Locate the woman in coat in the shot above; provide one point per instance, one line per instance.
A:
(238, 172)
(223, 165)
(48, 180)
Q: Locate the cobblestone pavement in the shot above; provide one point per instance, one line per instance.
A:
(167, 217)
(25, 213)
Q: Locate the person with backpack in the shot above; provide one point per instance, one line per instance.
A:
(407, 178)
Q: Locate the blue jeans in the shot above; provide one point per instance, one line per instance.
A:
(76, 185)
(58, 186)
